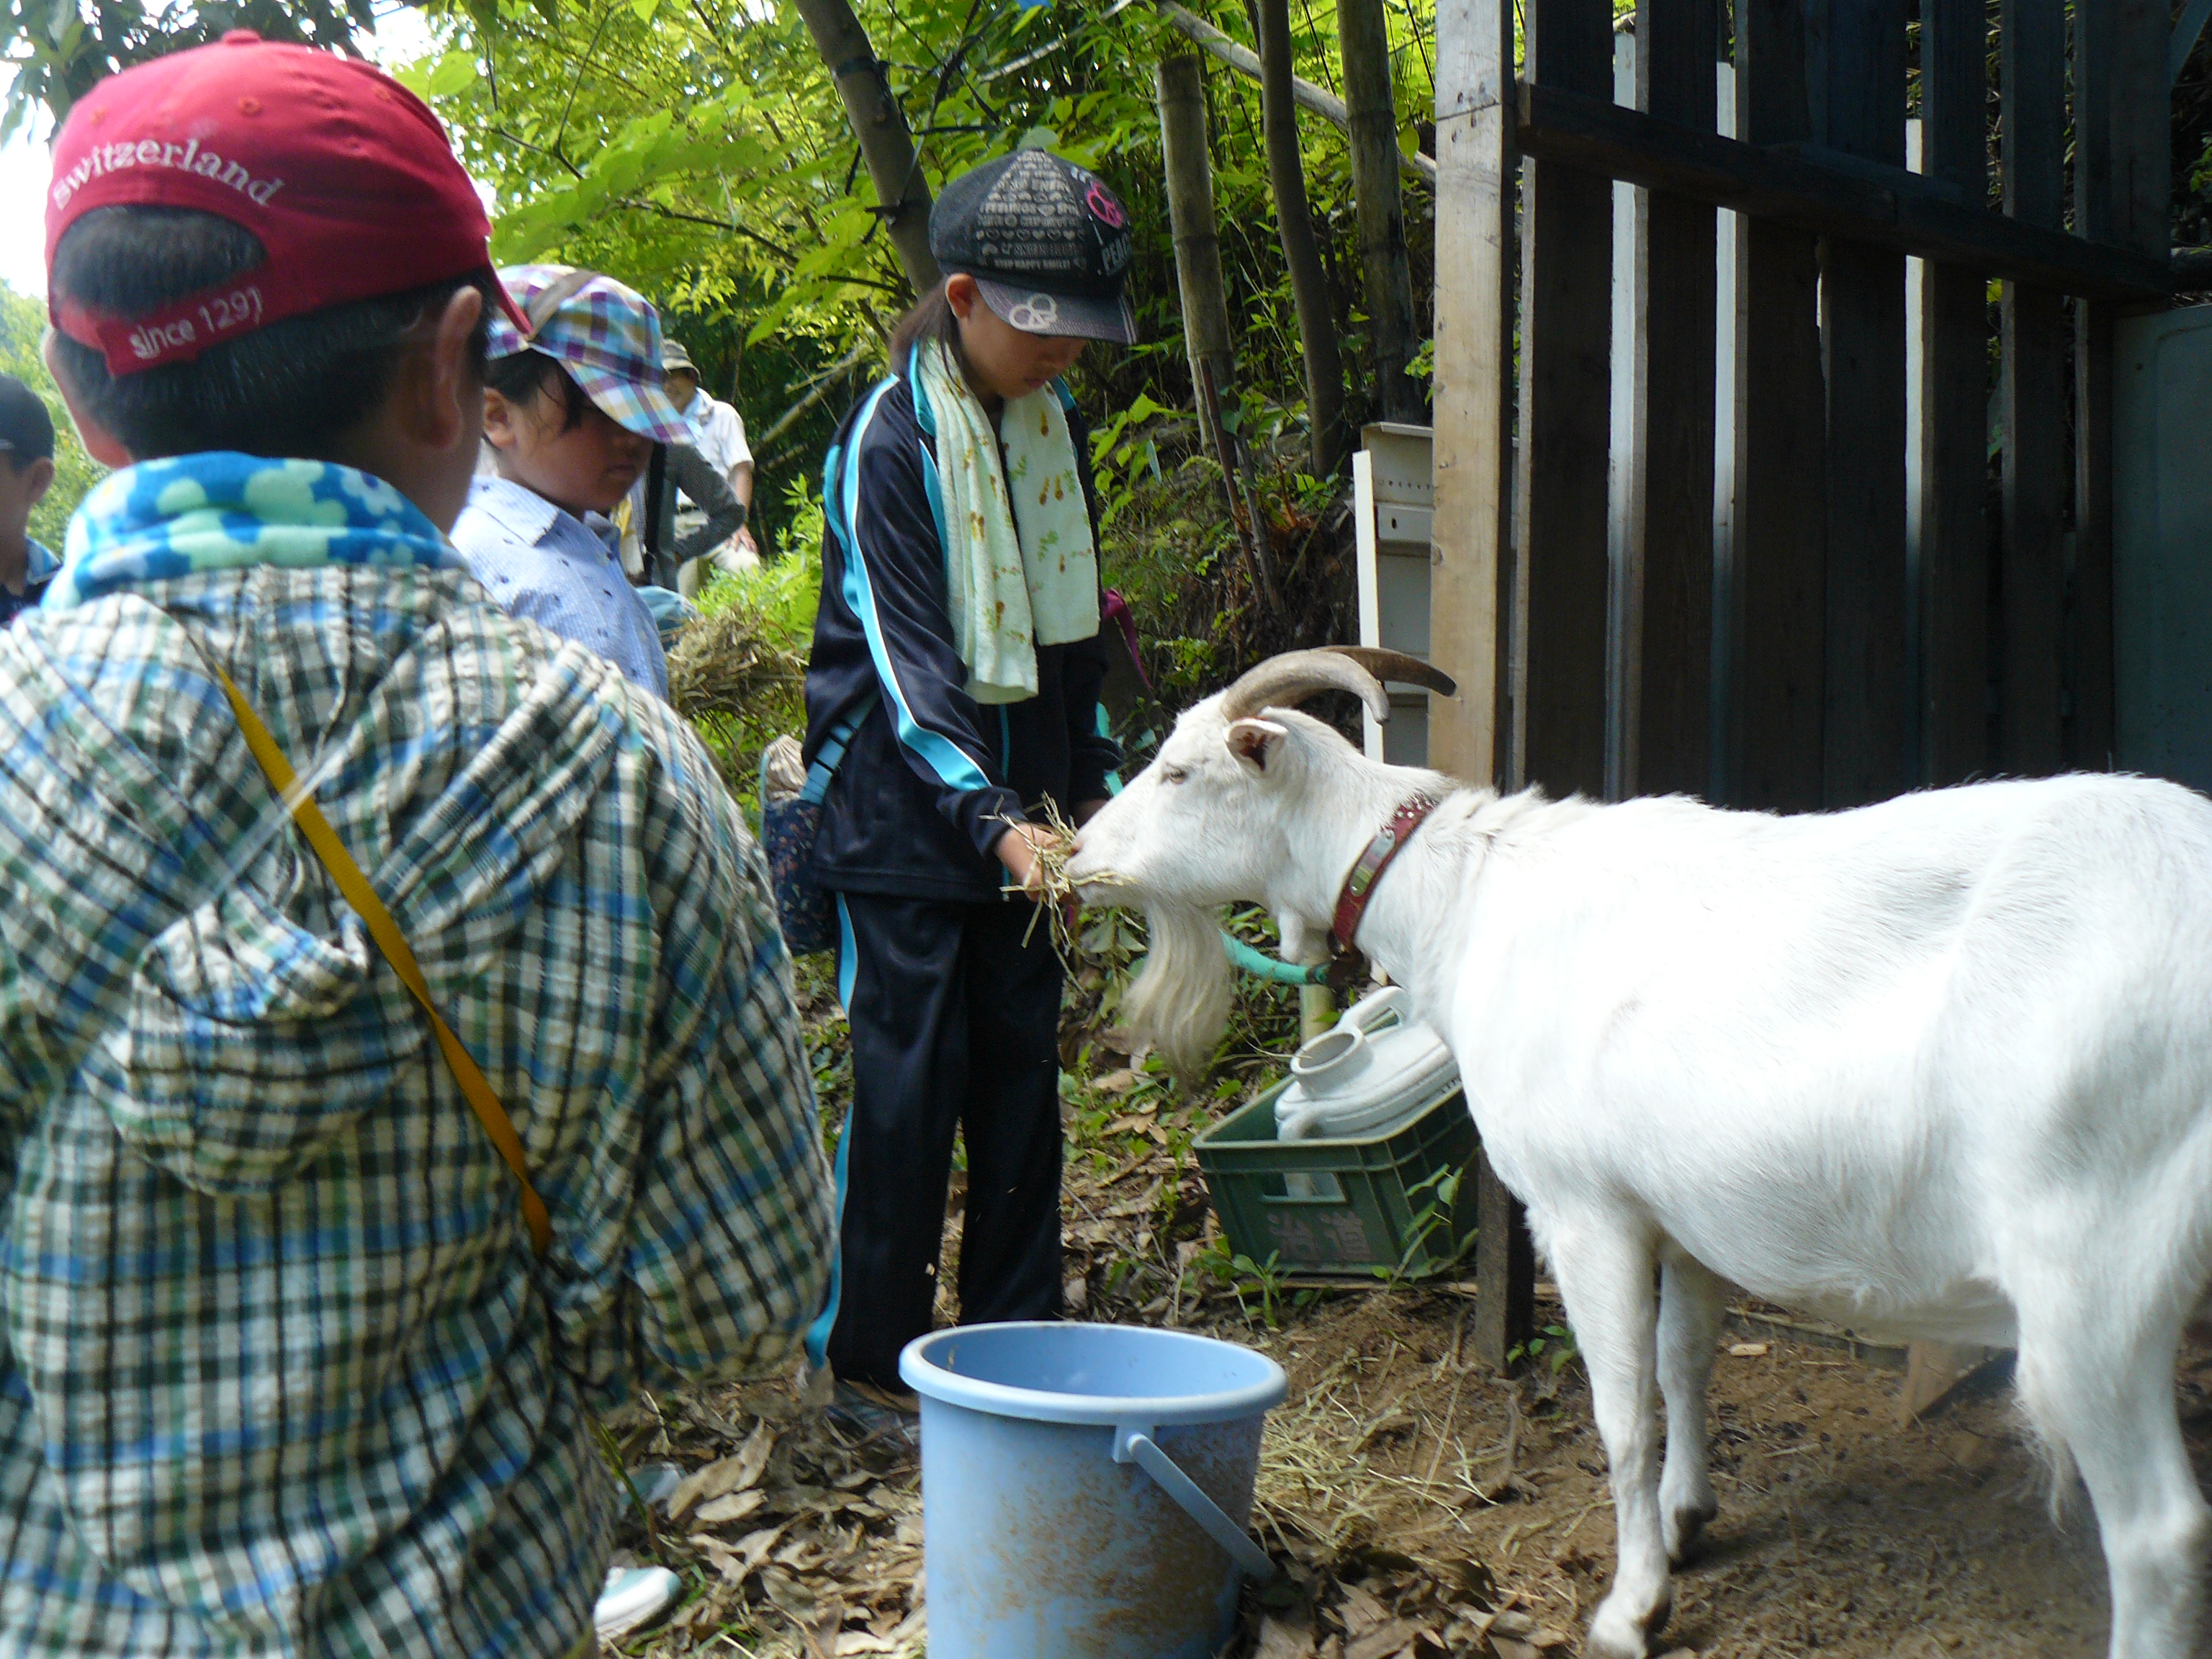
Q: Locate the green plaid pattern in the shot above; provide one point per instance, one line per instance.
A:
(280, 1374)
(607, 336)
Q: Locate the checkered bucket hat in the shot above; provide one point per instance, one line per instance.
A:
(605, 335)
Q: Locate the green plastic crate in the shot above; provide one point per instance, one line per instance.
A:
(1340, 1208)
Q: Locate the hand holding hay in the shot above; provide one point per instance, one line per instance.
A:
(1040, 855)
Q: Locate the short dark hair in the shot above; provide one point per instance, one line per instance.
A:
(290, 389)
(521, 375)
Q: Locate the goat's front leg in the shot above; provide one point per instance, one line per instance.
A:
(1691, 1301)
(1605, 1278)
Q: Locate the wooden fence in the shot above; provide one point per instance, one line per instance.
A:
(1809, 606)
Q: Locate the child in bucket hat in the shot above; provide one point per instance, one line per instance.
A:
(283, 1372)
(572, 406)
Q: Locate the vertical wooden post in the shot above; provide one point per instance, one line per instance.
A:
(1363, 35)
(1566, 327)
(2031, 47)
(1188, 164)
(1780, 527)
(1670, 509)
(1475, 391)
(1952, 528)
(1860, 82)
(1475, 166)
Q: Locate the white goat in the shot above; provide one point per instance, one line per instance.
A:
(1939, 1068)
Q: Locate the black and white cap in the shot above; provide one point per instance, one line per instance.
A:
(1047, 242)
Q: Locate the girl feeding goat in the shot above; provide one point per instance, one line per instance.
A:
(957, 664)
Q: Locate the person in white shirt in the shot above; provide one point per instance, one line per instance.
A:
(718, 434)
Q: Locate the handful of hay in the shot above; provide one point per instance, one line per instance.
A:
(1058, 903)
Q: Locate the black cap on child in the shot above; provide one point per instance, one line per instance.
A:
(1047, 242)
(26, 431)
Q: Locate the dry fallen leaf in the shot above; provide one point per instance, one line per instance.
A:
(1360, 1612)
(1281, 1641)
(1115, 1083)
(727, 1475)
(1384, 1641)
(734, 1507)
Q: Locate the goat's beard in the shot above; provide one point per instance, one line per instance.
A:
(1180, 1001)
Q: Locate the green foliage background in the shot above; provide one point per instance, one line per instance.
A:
(22, 321)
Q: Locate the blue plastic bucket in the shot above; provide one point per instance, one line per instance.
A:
(1084, 1488)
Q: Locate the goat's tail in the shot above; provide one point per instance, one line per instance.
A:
(1180, 1001)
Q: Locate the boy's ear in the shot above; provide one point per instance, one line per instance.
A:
(42, 479)
(1256, 744)
(499, 416)
(99, 442)
(440, 396)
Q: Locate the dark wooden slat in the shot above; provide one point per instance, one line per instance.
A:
(1780, 541)
(2120, 186)
(1879, 204)
(1566, 329)
(2091, 731)
(1862, 344)
(2032, 36)
(1953, 542)
(1670, 509)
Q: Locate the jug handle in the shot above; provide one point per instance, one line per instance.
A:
(1135, 1445)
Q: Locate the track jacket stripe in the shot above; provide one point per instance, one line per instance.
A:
(946, 758)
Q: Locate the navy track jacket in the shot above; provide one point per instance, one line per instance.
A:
(932, 777)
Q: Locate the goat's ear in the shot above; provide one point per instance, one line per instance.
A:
(1256, 744)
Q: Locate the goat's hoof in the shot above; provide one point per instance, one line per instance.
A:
(1618, 1632)
(1684, 1528)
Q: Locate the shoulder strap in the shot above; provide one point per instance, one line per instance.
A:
(832, 753)
(549, 298)
(393, 943)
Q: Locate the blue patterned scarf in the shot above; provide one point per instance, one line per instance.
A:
(222, 511)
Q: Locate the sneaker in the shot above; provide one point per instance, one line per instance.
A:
(631, 1597)
(876, 1413)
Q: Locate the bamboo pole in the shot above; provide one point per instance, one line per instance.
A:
(1364, 38)
(1189, 167)
(1294, 226)
(1307, 96)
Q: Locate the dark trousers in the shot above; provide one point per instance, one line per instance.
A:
(955, 1024)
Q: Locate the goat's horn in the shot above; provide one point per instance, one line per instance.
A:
(1282, 682)
(1285, 681)
(1397, 665)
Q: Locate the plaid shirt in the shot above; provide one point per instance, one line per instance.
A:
(281, 1374)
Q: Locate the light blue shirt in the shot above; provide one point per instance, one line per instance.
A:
(565, 574)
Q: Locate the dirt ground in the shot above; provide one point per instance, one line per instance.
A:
(1420, 1505)
(1424, 1507)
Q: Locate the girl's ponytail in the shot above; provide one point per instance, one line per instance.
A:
(931, 318)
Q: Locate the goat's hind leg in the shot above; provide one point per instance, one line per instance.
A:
(1605, 1278)
(1691, 1301)
(2099, 1385)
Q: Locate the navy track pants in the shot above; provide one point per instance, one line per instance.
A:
(955, 1024)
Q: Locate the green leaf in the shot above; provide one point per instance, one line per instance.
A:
(455, 72)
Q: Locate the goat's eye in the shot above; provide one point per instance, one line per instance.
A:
(1174, 774)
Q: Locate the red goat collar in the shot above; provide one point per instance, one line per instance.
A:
(1344, 961)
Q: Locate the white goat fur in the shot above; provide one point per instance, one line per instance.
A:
(1939, 1068)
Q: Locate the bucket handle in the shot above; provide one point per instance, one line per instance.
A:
(1134, 1445)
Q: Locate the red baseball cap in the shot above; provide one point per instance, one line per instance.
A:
(344, 175)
